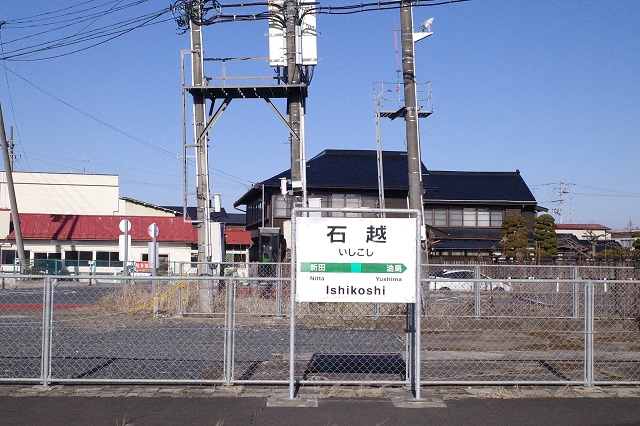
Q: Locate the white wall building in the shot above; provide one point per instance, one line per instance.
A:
(62, 193)
(74, 217)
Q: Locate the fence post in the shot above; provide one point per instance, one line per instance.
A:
(292, 309)
(588, 332)
(279, 290)
(417, 311)
(476, 291)
(576, 293)
(180, 284)
(155, 293)
(229, 331)
(46, 332)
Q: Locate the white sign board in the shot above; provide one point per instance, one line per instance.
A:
(153, 230)
(125, 225)
(356, 259)
(122, 248)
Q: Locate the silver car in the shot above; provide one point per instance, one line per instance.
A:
(462, 280)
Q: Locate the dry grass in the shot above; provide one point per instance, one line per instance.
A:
(362, 391)
(563, 392)
(134, 298)
(502, 393)
(117, 301)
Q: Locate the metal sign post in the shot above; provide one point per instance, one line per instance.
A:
(153, 248)
(153, 260)
(367, 258)
(125, 245)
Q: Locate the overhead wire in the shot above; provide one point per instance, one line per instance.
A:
(13, 111)
(91, 11)
(103, 34)
(35, 20)
(216, 172)
(184, 11)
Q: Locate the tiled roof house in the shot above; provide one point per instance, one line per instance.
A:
(463, 210)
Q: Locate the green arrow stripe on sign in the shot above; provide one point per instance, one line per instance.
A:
(365, 268)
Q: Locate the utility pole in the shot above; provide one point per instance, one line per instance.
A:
(295, 99)
(411, 105)
(12, 195)
(561, 191)
(414, 166)
(203, 203)
(11, 147)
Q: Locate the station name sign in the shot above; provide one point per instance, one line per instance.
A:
(356, 259)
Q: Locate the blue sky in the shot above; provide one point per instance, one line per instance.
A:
(550, 88)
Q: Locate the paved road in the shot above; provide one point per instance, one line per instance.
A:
(227, 411)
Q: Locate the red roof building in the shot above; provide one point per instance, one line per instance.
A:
(82, 238)
(103, 228)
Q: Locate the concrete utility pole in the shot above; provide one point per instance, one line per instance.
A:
(203, 215)
(414, 162)
(411, 105)
(12, 194)
(11, 147)
(294, 98)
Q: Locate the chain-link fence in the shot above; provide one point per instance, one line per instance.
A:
(21, 331)
(482, 324)
(523, 324)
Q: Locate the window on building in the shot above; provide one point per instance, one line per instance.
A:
(9, 257)
(102, 258)
(469, 217)
(455, 217)
(254, 212)
(282, 205)
(349, 201)
(114, 259)
(440, 217)
(71, 258)
(108, 258)
(484, 218)
(84, 258)
(496, 218)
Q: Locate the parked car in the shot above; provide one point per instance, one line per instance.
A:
(462, 280)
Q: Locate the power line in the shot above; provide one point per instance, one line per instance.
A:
(37, 154)
(13, 111)
(184, 12)
(217, 172)
(40, 19)
(75, 19)
(103, 35)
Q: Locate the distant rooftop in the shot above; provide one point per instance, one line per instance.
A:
(221, 216)
(336, 169)
(582, 226)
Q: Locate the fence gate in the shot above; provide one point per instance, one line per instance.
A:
(355, 311)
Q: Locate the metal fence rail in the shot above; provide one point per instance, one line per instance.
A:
(130, 330)
(556, 325)
(527, 334)
(563, 325)
(22, 333)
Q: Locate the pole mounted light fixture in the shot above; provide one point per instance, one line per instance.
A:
(425, 29)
